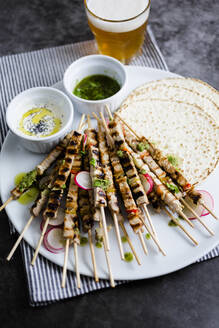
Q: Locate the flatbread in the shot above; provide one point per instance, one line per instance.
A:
(177, 91)
(178, 128)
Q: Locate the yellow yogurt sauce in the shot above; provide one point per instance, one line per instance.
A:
(39, 122)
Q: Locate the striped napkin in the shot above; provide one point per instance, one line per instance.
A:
(45, 68)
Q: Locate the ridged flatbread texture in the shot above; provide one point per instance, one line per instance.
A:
(178, 128)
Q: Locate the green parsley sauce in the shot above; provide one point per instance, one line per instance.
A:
(29, 196)
(96, 87)
(128, 257)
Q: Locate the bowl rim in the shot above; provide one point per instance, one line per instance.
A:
(89, 57)
(43, 139)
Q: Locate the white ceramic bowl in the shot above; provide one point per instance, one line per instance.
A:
(47, 97)
(90, 65)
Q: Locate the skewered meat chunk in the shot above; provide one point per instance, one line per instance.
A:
(164, 163)
(96, 171)
(53, 155)
(160, 189)
(70, 219)
(128, 165)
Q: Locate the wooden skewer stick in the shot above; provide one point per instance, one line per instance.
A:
(112, 282)
(20, 238)
(208, 209)
(128, 126)
(115, 219)
(180, 226)
(6, 203)
(104, 227)
(149, 220)
(129, 242)
(40, 241)
(110, 139)
(77, 265)
(153, 237)
(142, 242)
(93, 255)
(65, 262)
(197, 217)
(186, 219)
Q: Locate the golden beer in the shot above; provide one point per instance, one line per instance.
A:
(122, 38)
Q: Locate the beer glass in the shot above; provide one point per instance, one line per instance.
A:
(118, 26)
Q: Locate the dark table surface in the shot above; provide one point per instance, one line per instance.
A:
(187, 34)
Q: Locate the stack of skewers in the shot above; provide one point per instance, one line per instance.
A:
(120, 164)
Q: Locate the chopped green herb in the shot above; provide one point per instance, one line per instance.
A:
(171, 223)
(172, 187)
(120, 153)
(128, 257)
(124, 239)
(142, 146)
(63, 186)
(147, 236)
(83, 241)
(104, 184)
(63, 162)
(128, 181)
(28, 180)
(83, 152)
(93, 162)
(98, 244)
(173, 160)
(143, 171)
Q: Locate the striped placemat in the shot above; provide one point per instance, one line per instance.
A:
(44, 68)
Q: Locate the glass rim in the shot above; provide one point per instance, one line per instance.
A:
(116, 21)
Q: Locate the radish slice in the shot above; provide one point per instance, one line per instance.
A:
(54, 241)
(59, 220)
(147, 182)
(199, 209)
(82, 180)
(85, 138)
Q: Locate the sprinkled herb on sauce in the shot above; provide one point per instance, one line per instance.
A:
(172, 187)
(96, 87)
(124, 239)
(39, 122)
(128, 257)
(83, 241)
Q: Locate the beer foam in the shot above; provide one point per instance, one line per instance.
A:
(118, 11)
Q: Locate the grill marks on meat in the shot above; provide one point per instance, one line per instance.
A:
(53, 155)
(96, 170)
(107, 170)
(70, 156)
(163, 163)
(54, 202)
(128, 165)
(159, 188)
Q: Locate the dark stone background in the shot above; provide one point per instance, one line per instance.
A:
(187, 33)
